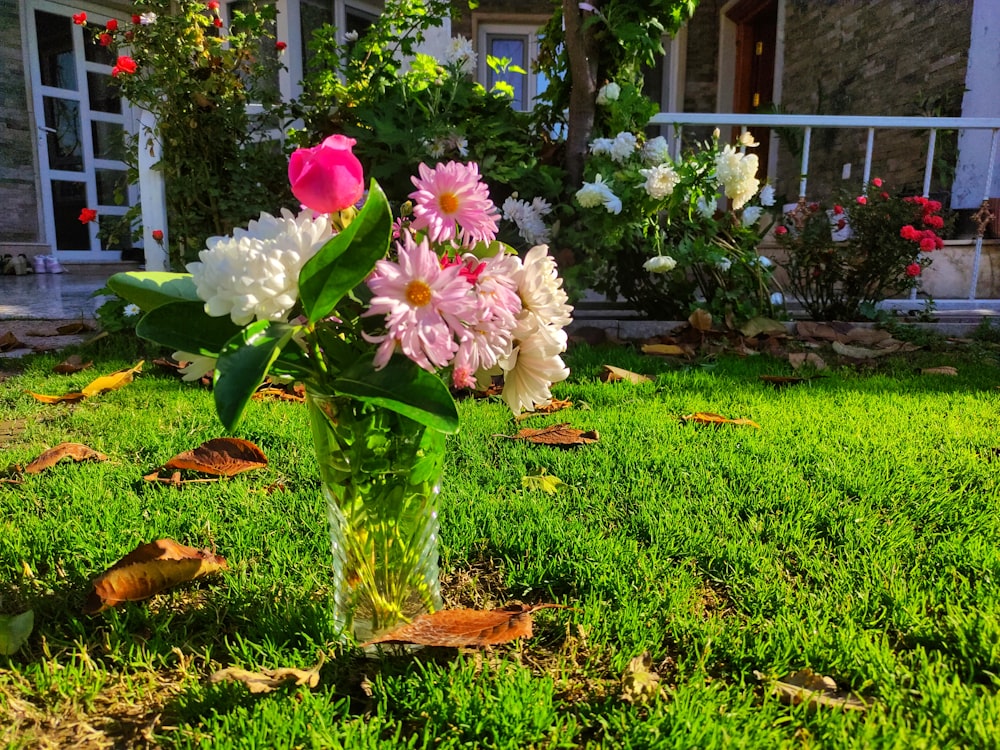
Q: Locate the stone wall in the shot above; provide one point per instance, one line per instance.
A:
(18, 191)
(878, 57)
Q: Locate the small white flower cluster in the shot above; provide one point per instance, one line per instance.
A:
(660, 180)
(598, 193)
(738, 174)
(656, 150)
(461, 53)
(608, 93)
(619, 148)
(448, 144)
(255, 273)
(528, 218)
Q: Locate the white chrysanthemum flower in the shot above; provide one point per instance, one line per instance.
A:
(601, 146)
(660, 180)
(656, 150)
(528, 218)
(147, 19)
(767, 196)
(738, 174)
(350, 36)
(543, 301)
(746, 139)
(131, 310)
(660, 264)
(623, 146)
(598, 193)
(531, 369)
(198, 366)
(255, 273)
(750, 215)
(461, 53)
(609, 92)
(724, 265)
(706, 209)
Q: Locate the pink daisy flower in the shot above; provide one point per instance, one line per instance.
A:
(452, 202)
(426, 307)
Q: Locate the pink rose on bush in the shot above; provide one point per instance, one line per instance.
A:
(780, 230)
(327, 178)
(862, 200)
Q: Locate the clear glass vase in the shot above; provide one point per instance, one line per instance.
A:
(381, 475)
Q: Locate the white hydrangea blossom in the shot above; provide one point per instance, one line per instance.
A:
(660, 264)
(738, 174)
(706, 209)
(623, 146)
(750, 215)
(656, 150)
(598, 193)
(724, 265)
(601, 146)
(767, 195)
(609, 92)
(255, 272)
(660, 180)
(461, 53)
(528, 218)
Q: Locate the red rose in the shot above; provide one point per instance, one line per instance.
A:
(780, 230)
(212, 5)
(935, 222)
(104, 40)
(79, 18)
(87, 215)
(280, 46)
(885, 195)
(932, 206)
(158, 235)
(814, 206)
(125, 64)
(838, 209)
(938, 242)
(913, 269)
(877, 182)
(217, 22)
(927, 244)
(136, 18)
(909, 232)
(862, 200)
(112, 25)
(841, 223)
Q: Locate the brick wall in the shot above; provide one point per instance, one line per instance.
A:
(19, 218)
(878, 57)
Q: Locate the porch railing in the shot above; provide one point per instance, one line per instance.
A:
(677, 120)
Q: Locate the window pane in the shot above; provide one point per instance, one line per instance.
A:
(109, 140)
(103, 95)
(63, 134)
(267, 53)
(312, 15)
(357, 20)
(515, 49)
(55, 50)
(114, 233)
(108, 182)
(93, 50)
(68, 199)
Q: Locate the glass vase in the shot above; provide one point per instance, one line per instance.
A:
(381, 475)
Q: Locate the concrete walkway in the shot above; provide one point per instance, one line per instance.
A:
(43, 296)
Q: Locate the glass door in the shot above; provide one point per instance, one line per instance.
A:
(81, 124)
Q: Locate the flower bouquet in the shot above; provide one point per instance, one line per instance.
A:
(368, 313)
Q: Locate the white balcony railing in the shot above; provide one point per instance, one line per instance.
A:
(677, 120)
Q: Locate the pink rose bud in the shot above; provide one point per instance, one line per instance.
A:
(327, 178)
(862, 200)
(780, 230)
(877, 182)
(158, 235)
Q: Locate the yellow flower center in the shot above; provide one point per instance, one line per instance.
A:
(448, 202)
(418, 293)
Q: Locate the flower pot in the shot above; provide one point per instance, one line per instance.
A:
(380, 474)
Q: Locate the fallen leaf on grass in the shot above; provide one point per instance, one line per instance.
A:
(943, 370)
(73, 328)
(11, 428)
(76, 451)
(14, 631)
(856, 352)
(801, 359)
(73, 363)
(553, 406)
(269, 680)
(640, 683)
(111, 382)
(9, 342)
(612, 374)
(542, 481)
(66, 398)
(561, 435)
(706, 417)
(467, 627)
(149, 569)
(815, 690)
(290, 392)
(756, 326)
(223, 456)
(665, 350)
(782, 380)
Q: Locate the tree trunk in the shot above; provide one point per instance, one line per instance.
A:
(581, 49)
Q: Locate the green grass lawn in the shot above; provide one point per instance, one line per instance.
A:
(856, 533)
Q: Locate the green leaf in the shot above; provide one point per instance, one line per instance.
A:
(403, 387)
(151, 289)
(243, 364)
(543, 482)
(14, 631)
(334, 271)
(186, 326)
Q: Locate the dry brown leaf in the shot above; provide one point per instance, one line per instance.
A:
(73, 363)
(292, 392)
(66, 398)
(943, 370)
(858, 352)
(76, 451)
(466, 627)
(666, 350)
(268, 680)
(111, 382)
(782, 380)
(553, 406)
(73, 328)
(706, 417)
(223, 456)
(149, 569)
(865, 336)
(701, 320)
(815, 690)
(640, 683)
(612, 374)
(9, 342)
(813, 330)
(757, 326)
(799, 359)
(561, 435)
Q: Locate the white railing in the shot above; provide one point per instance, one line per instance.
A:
(676, 120)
